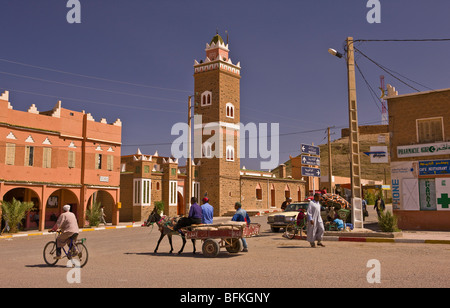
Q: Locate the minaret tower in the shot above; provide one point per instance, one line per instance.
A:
(217, 101)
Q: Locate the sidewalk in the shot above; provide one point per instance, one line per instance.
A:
(123, 225)
(362, 235)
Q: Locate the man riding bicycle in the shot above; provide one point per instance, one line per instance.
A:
(67, 223)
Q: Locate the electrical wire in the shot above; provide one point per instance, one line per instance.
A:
(93, 77)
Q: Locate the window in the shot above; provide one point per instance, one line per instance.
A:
(142, 192)
(173, 171)
(173, 193)
(110, 163)
(137, 191)
(98, 161)
(72, 157)
(230, 110)
(230, 153)
(146, 169)
(10, 153)
(47, 159)
(287, 192)
(259, 193)
(29, 156)
(430, 130)
(196, 190)
(206, 98)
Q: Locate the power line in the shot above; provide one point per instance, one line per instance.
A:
(385, 70)
(96, 102)
(93, 77)
(91, 88)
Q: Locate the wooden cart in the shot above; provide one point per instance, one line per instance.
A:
(218, 236)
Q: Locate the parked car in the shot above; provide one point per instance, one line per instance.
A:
(280, 220)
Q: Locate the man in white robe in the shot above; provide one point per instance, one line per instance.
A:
(315, 229)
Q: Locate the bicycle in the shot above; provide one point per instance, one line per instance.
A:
(293, 229)
(77, 251)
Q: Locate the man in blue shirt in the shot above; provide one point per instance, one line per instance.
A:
(241, 215)
(194, 218)
(207, 211)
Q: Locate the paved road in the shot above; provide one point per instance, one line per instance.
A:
(124, 258)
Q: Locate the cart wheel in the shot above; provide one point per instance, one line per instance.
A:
(236, 245)
(210, 248)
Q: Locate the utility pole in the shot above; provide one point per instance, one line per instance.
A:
(330, 165)
(355, 161)
(188, 193)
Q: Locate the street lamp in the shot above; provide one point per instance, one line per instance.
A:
(335, 53)
(355, 161)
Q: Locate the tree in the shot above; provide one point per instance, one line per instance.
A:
(93, 214)
(14, 212)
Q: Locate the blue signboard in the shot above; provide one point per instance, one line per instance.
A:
(310, 160)
(310, 149)
(434, 167)
(307, 171)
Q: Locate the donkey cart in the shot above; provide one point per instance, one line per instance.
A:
(218, 236)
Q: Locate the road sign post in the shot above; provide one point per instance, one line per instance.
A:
(310, 157)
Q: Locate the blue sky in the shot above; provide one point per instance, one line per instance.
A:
(288, 77)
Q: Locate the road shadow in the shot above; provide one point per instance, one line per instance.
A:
(223, 255)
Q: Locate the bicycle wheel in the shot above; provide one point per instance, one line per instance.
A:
(81, 256)
(291, 231)
(50, 253)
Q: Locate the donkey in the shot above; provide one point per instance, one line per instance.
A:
(165, 226)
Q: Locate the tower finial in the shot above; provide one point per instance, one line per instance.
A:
(226, 31)
(217, 30)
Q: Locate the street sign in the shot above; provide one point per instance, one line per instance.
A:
(310, 149)
(434, 167)
(310, 160)
(308, 171)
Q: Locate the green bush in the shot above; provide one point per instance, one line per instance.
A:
(93, 214)
(159, 205)
(14, 212)
(388, 222)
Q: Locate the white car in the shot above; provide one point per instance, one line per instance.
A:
(280, 220)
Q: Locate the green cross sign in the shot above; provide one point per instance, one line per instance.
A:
(444, 200)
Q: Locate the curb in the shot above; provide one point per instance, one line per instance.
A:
(384, 240)
(81, 230)
(377, 240)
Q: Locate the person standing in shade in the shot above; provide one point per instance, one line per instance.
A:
(241, 215)
(379, 206)
(207, 212)
(315, 228)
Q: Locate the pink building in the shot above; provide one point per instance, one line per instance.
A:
(58, 157)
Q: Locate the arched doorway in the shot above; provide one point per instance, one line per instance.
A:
(180, 204)
(56, 201)
(106, 200)
(31, 220)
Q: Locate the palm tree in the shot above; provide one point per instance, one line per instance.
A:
(14, 212)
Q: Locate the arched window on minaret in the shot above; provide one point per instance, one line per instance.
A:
(230, 110)
(206, 98)
(230, 153)
(207, 150)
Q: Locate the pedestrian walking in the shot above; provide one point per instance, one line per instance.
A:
(379, 206)
(315, 229)
(102, 215)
